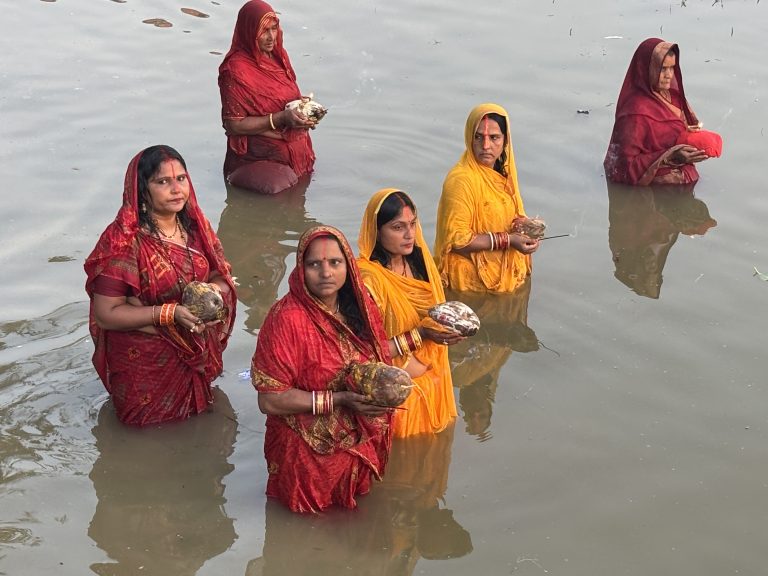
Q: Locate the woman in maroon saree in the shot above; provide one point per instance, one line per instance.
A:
(157, 359)
(651, 115)
(268, 147)
(323, 444)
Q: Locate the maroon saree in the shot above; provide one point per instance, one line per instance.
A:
(253, 84)
(166, 376)
(318, 461)
(647, 128)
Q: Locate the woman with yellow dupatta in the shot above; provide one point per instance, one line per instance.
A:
(475, 248)
(399, 272)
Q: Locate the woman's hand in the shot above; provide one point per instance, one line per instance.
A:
(439, 336)
(183, 318)
(294, 119)
(522, 243)
(358, 403)
(687, 155)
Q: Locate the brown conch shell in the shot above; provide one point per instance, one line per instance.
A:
(380, 383)
(532, 227)
(204, 301)
(457, 316)
(308, 107)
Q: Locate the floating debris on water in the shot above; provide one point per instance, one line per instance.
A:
(244, 375)
(582, 111)
(60, 259)
(760, 275)
(158, 22)
(196, 13)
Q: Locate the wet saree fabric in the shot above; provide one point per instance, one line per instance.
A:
(253, 84)
(647, 127)
(476, 200)
(404, 303)
(165, 376)
(317, 461)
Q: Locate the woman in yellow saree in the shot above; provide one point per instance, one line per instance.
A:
(475, 248)
(399, 272)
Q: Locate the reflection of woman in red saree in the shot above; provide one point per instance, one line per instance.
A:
(155, 357)
(323, 444)
(268, 147)
(651, 115)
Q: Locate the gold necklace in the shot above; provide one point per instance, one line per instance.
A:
(175, 229)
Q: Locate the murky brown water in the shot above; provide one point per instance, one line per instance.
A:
(612, 413)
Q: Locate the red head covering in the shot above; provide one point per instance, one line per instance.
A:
(648, 123)
(368, 309)
(119, 240)
(254, 17)
(637, 94)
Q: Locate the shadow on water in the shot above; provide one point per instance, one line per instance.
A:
(258, 232)
(160, 492)
(398, 523)
(477, 361)
(644, 223)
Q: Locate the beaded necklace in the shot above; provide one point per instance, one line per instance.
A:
(167, 255)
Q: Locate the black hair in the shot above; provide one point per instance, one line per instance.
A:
(390, 209)
(149, 164)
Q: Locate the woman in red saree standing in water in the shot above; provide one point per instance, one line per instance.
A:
(268, 147)
(155, 357)
(652, 116)
(324, 444)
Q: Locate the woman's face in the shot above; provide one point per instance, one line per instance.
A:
(266, 41)
(325, 268)
(667, 71)
(488, 142)
(168, 189)
(398, 236)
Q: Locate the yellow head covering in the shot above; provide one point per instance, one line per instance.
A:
(369, 233)
(475, 200)
(468, 158)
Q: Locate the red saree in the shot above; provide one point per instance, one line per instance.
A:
(252, 84)
(166, 376)
(318, 461)
(646, 129)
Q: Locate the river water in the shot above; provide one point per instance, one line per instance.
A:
(612, 414)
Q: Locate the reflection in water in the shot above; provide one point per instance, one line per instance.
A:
(160, 493)
(398, 523)
(258, 232)
(644, 223)
(477, 361)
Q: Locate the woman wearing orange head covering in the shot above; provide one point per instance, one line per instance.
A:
(399, 272)
(475, 249)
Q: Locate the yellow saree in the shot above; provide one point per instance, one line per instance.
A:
(476, 200)
(404, 303)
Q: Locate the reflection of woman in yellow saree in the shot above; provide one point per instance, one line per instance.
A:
(477, 362)
(258, 233)
(402, 521)
(644, 225)
(475, 248)
(160, 493)
(399, 272)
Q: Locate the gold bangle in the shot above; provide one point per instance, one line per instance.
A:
(271, 122)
